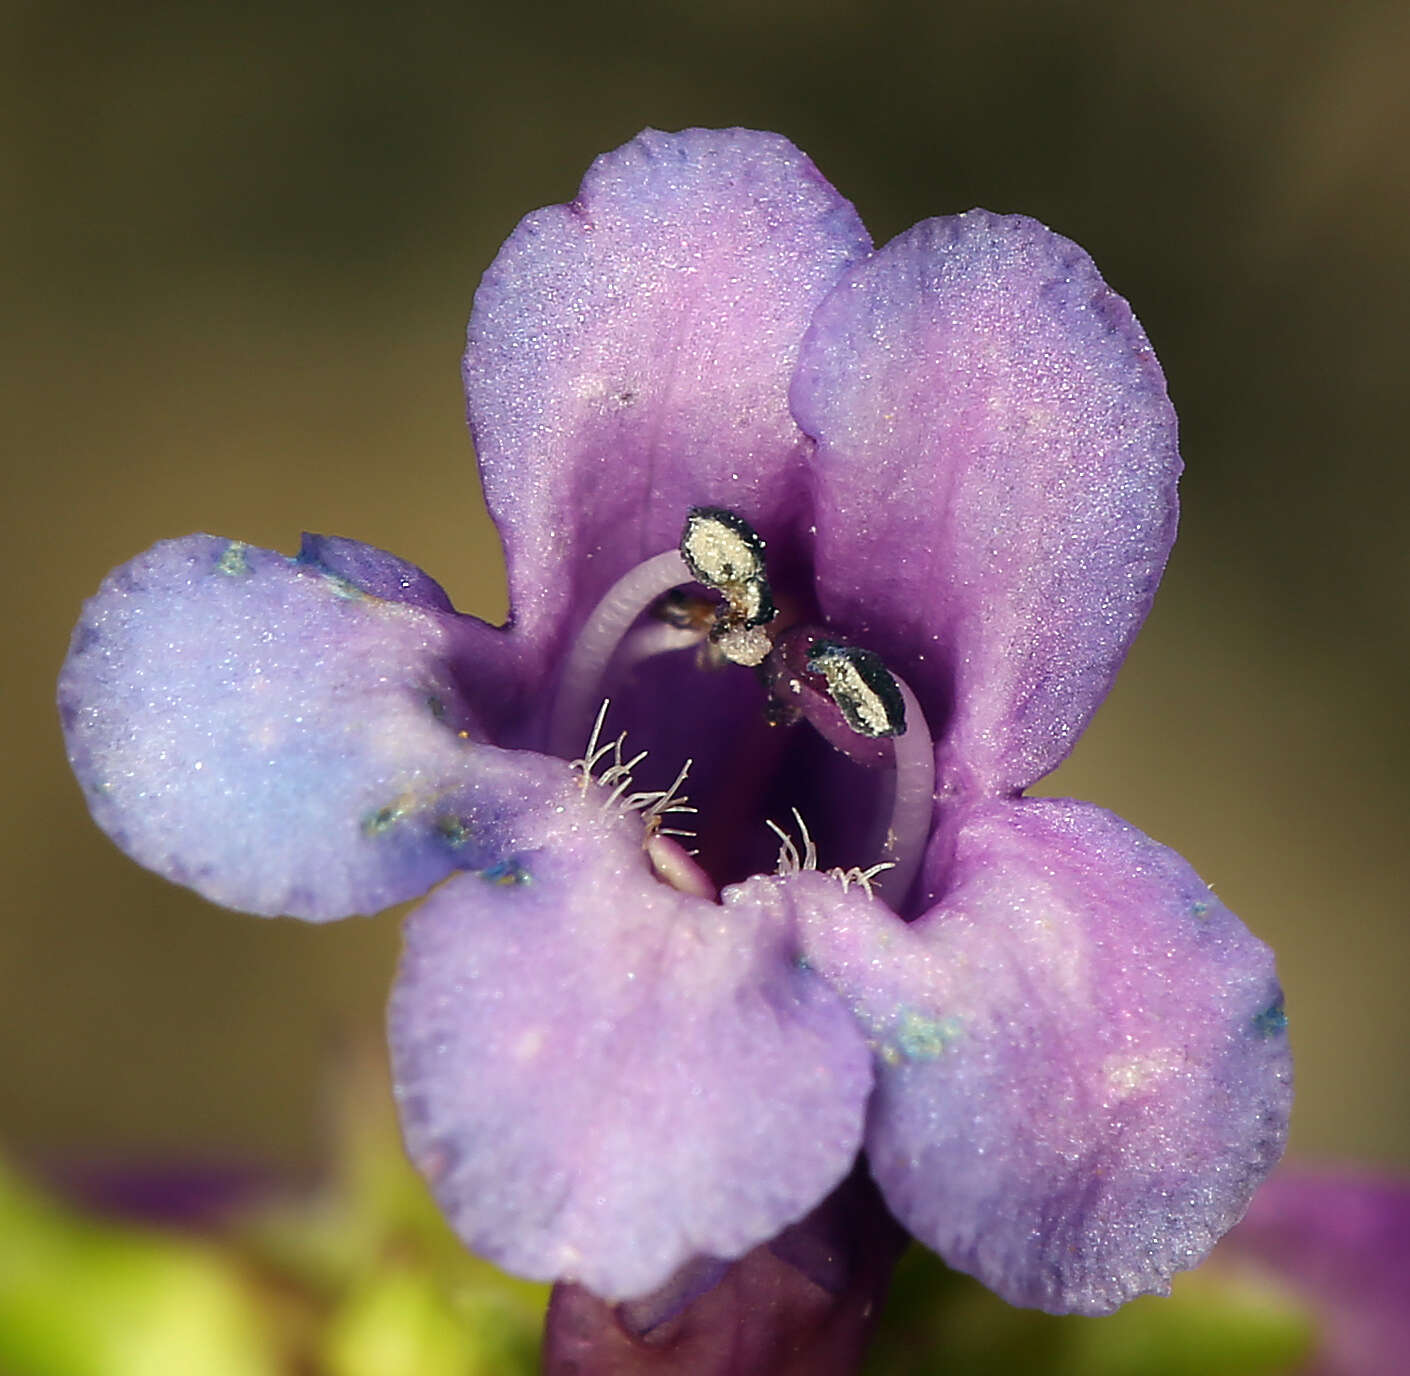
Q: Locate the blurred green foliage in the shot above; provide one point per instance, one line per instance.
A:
(399, 1294)
(1214, 1323)
(79, 1297)
(243, 246)
(360, 1276)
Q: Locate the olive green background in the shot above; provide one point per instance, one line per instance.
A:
(243, 246)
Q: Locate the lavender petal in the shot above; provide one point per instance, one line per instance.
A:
(1082, 1068)
(996, 472)
(629, 357)
(604, 1078)
(278, 736)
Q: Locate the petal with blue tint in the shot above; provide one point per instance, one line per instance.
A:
(603, 1077)
(276, 735)
(996, 473)
(487, 660)
(1082, 1068)
(374, 571)
(630, 355)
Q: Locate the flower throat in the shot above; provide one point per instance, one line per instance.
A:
(712, 593)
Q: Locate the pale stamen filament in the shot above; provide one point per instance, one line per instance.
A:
(857, 682)
(912, 802)
(656, 638)
(626, 600)
(718, 550)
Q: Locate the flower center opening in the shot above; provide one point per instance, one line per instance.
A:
(712, 596)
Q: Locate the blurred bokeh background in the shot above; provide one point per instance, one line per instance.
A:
(242, 243)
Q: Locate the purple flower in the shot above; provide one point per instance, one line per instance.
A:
(1341, 1243)
(863, 537)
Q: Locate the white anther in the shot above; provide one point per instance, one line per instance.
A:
(721, 549)
(747, 645)
(866, 692)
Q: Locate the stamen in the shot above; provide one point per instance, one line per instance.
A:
(858, 707)
(912, 801)
(746, 645)
(725, 552)
(718, 549)
(627, 598)
(655, 638)
(685, 610)
(863, 688)
(845, 691)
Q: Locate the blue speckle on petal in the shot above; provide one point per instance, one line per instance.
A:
(505, 872)
(383, 820)
(1271, 1020)
(452, 830)
(919, 1038)
(233, 561)
(342, 587)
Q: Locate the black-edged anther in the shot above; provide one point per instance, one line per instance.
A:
(862, 686)
(721, 549)
(726, 554)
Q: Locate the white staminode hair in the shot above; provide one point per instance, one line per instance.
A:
(616, 778)
(791, 860)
